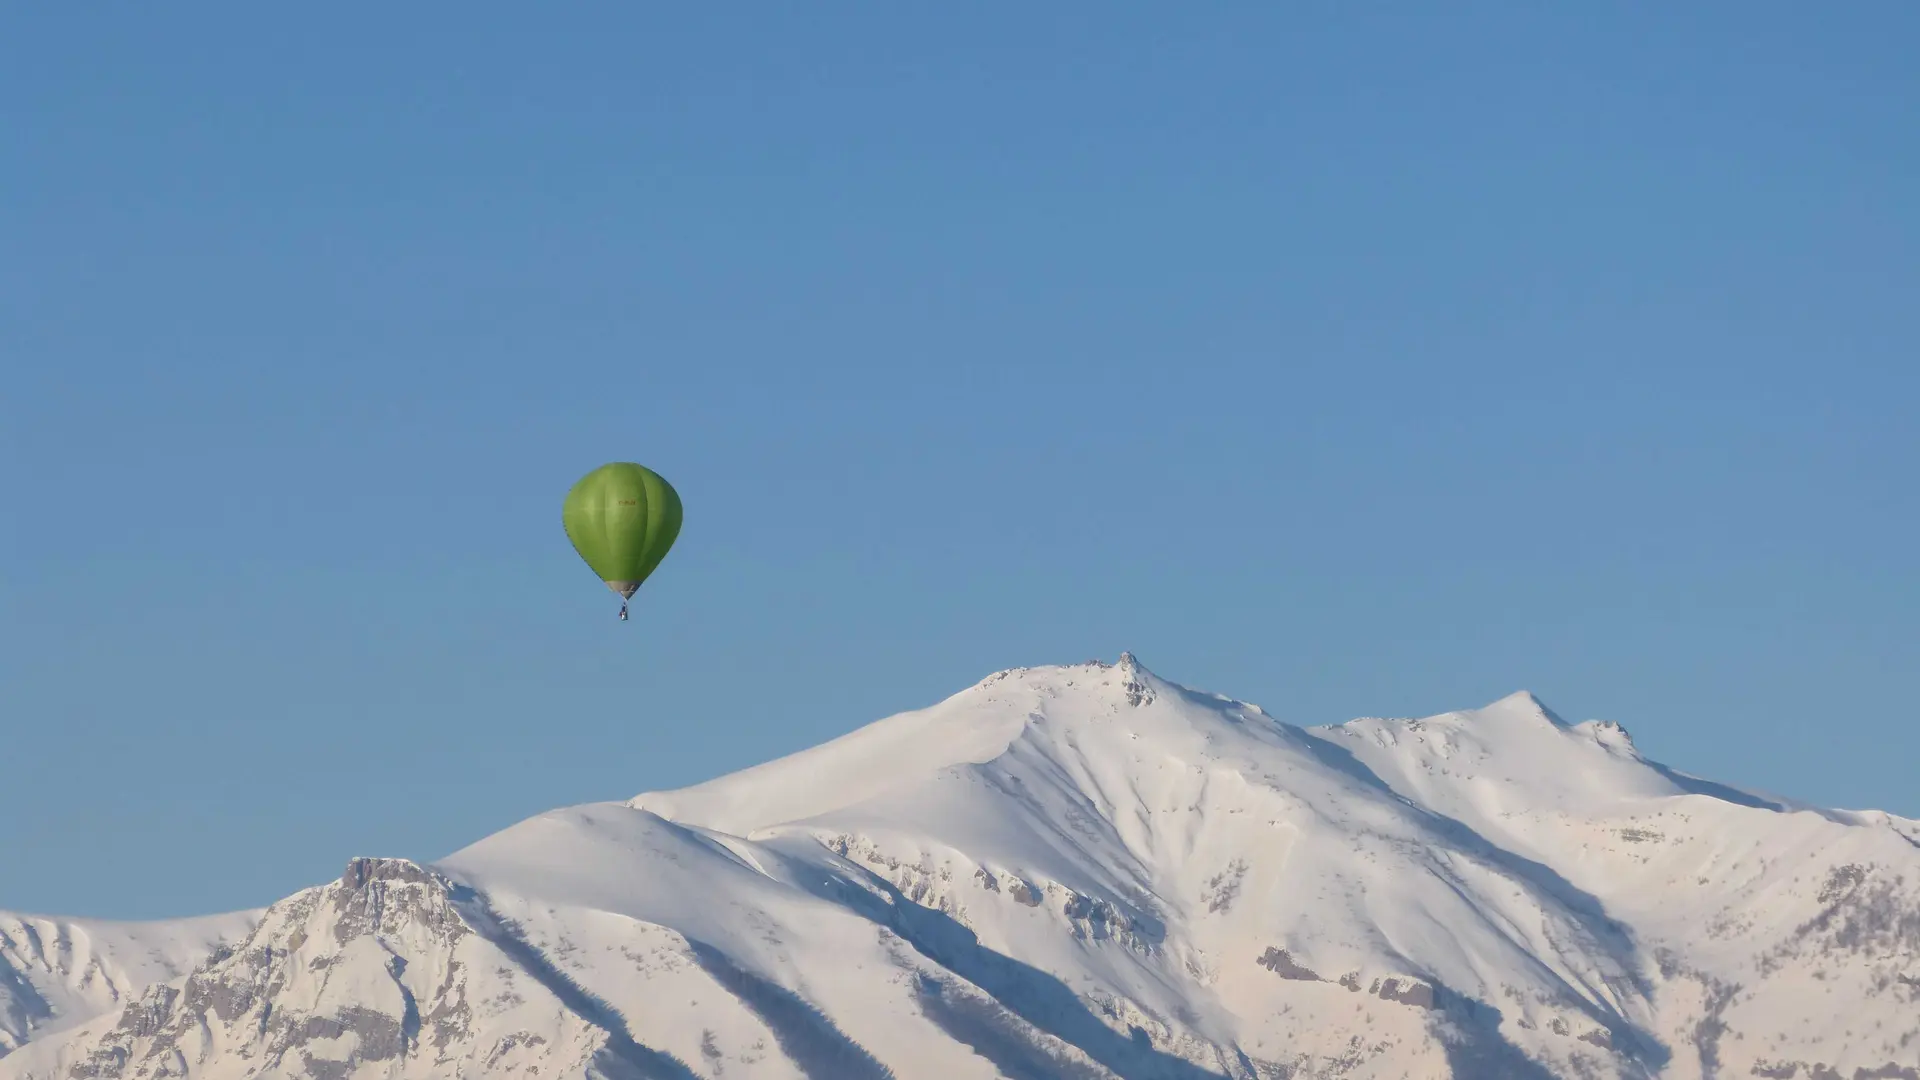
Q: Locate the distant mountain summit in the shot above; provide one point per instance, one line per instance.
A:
(1075, 872)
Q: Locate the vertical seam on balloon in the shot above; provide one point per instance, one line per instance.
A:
(644, 555)
(654, 521)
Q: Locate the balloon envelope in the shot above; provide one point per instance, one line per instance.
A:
(622, 518)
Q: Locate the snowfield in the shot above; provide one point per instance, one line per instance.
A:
(1072, 872)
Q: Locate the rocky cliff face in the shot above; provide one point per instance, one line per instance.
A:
(1086, 872)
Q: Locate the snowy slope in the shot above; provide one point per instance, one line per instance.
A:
(1781, 938)
(57, 972)
(1091, 872)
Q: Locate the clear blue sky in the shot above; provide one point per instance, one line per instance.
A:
(1351, 363)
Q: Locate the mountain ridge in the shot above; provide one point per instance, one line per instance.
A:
(1091, 871)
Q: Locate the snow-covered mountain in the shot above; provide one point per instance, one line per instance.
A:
(1081, 872)
(56, 972)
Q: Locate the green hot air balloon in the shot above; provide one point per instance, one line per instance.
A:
(622, 518)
